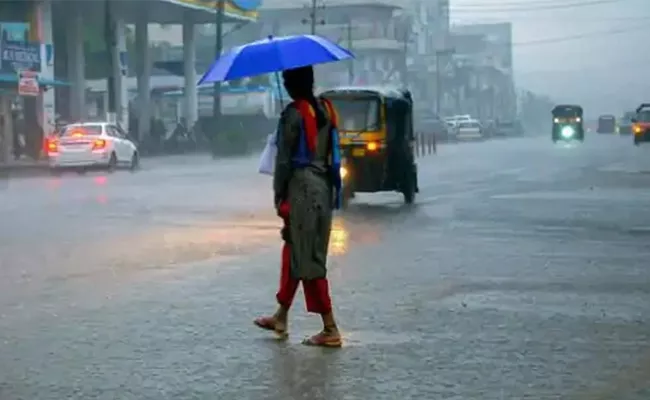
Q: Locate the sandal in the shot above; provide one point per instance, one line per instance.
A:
(270, 324)
(324, 339)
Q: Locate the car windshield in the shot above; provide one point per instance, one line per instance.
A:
(643, 116)
(357, 115)
(469, 124)
(81, 130)
(627, 117)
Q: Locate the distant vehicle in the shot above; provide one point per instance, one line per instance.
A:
(88, 145)
(377, 138)
(508, 128)
(625, 123)
(454, 120)
(469, 130)
(641, 124)
(435, 125)
(606, 124)
(567, 123)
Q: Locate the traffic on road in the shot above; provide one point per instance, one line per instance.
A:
(519, 271)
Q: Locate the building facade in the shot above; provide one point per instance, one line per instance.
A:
(484, 55)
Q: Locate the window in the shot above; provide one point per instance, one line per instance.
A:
(357, 115)
(81, 130)
(643, 116)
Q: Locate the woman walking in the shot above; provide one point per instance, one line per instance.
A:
(306, 185)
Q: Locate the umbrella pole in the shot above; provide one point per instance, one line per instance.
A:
(277, 80)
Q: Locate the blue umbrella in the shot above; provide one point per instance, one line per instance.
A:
(274, 54)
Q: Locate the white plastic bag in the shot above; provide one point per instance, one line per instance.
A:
(267, 159)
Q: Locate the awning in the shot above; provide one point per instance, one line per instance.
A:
(13, 78)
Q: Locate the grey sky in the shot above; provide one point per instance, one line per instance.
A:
(606, 72)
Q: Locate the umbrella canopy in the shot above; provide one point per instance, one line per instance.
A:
(274, 54)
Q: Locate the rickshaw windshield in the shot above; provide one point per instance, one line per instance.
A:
(567, 112)
(643, 116)
(358, 114)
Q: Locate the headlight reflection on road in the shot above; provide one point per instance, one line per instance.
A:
(339, 238)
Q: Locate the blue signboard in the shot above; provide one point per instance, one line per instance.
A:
(14, 31)
(17, 56)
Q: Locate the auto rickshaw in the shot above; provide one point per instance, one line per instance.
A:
(606, 124)
(567, 123)
(641, 124)
(377, 140)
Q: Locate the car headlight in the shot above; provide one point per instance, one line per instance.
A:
(578, 119)
(567, 132)
(556, 120)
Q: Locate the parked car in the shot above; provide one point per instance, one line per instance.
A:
(83, 146)
(469, 130)
(434, 125)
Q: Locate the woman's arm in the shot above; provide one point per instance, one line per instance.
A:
(288, 131)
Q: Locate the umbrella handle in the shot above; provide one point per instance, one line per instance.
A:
(277, 80)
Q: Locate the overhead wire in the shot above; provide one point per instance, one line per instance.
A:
(496, 8)
(580, 36)
(524, 3)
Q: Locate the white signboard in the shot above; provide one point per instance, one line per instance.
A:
(28, 83)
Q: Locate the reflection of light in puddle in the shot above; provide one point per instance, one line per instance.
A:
(338, 238)
(102, 199)
(54, 183)
(100, 180)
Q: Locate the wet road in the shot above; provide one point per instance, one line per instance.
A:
(522, 272)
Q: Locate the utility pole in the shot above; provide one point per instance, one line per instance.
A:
(351, 61)
(218, 47)
(313, 17)
(439, 55)
(111, 43)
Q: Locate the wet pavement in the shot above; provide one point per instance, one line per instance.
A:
(522, 273)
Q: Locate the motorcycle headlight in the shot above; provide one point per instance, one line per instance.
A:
(567, 132)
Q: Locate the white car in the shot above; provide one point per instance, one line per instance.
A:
(469, 130)
(90, 145)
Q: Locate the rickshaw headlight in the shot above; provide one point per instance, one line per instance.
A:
(567, 132)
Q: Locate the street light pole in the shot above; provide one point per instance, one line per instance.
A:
(314, 5)
(351, 62)
(216, 105)
(111, 42)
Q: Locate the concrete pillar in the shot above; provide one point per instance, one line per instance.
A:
(189, 58)
(76, 65)
(46, 102)
(143, 63)
(121, 73)
(6, 130)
